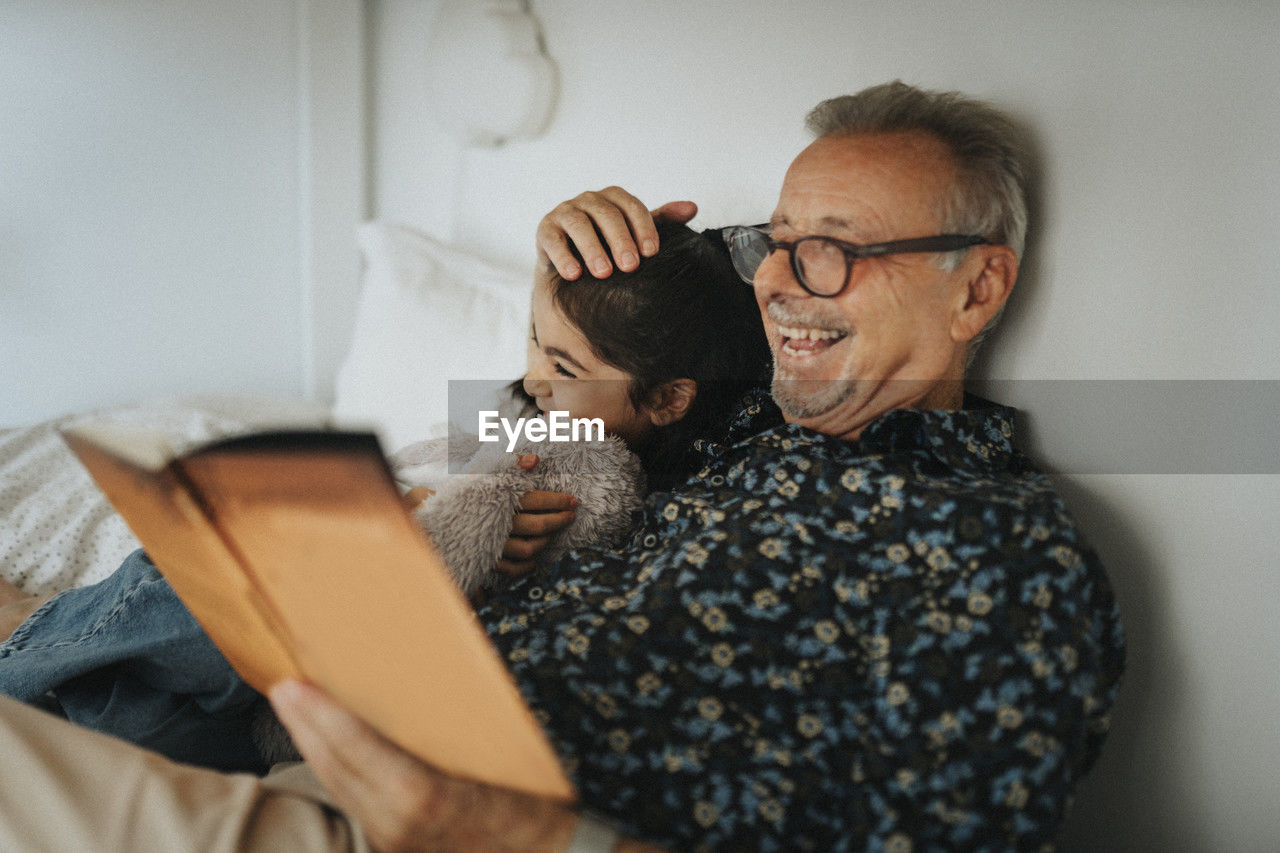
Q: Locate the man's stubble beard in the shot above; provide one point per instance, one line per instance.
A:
(809, 398)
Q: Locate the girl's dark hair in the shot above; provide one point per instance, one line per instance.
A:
(682, 313)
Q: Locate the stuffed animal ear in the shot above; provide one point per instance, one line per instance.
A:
(670, 401)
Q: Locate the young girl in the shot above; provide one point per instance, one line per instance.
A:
(660, 355)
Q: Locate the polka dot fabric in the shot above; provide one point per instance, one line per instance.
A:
(57, 531)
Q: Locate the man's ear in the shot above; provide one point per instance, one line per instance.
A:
(670, 401)
(986, 292)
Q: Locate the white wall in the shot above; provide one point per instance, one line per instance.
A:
(149, 213)
(1153, 256)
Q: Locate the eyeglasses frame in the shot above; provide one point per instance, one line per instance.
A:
(853, 251)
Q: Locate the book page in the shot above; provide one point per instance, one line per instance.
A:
(370, 611)
(192, 556)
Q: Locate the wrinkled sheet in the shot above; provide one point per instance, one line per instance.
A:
(57, 531)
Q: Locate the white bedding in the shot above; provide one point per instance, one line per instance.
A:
(57, 531)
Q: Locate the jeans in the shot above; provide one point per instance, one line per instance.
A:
(126, 657)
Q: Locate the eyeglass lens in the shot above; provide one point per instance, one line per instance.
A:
(748, 248)
(822, 265)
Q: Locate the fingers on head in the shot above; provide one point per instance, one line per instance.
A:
(553, 243)
(641, 231)
(592, 227)
(608, 225)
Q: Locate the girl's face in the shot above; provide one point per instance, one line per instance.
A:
(564, 375)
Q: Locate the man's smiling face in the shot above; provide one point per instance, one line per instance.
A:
(886, 341)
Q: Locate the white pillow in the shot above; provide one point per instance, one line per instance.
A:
(429, 313)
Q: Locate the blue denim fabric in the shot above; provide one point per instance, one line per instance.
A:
(126, 657)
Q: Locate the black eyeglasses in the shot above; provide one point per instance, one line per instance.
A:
(822, 264)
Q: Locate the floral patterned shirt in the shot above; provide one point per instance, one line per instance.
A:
(896, 643)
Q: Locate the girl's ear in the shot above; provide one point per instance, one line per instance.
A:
(670, 401)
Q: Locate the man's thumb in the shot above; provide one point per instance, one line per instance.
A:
(676, 211)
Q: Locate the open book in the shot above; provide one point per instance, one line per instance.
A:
(294, 552)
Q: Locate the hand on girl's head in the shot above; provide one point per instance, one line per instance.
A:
(612, 213)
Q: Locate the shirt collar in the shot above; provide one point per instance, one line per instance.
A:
(977, 438)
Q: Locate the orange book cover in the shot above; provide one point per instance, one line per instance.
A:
(296, 555)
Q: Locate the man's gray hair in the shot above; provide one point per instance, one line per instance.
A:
(992, 159)
(989, 195)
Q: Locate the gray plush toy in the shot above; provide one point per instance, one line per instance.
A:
(470, 515)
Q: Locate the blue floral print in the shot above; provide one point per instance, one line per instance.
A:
(896, 643)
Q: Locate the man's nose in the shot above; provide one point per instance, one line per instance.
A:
(775, 280)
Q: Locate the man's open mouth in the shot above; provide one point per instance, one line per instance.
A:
(800, 342)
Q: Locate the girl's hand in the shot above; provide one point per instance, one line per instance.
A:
(618, 216)
(541, 515)
(415, 496)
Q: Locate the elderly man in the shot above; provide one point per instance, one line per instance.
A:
(867, 622)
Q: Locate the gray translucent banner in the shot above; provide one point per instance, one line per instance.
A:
(1144, 426)
(1071, 426)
